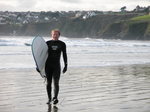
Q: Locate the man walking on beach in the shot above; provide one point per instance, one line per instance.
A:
(52, 67)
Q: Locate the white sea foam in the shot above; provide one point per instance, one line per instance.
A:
(15, 52)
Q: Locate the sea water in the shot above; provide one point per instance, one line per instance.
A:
(15, 52)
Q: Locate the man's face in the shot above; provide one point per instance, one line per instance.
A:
(55, 35)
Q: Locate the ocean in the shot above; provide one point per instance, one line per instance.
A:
(15, 52)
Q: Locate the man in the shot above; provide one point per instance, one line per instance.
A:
(52, 67)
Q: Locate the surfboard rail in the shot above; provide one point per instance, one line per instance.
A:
(40, 53)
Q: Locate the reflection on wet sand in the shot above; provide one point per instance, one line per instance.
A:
(52, 108)
(92, 89)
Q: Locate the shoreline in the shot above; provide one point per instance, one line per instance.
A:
(83, 67)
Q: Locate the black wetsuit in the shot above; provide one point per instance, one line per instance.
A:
(52, 68)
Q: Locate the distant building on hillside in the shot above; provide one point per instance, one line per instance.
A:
(89, 14)
(139, 9)
(142, 9)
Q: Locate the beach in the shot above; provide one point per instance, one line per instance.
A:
(82, 89)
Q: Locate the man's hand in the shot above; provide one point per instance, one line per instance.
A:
(37, 70)
(65, 68)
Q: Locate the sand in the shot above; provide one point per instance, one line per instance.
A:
(91, 89)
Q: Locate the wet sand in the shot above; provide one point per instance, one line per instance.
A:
(92, 89)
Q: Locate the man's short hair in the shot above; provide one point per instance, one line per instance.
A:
(56, 30)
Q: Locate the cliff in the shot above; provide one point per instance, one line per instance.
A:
(123, 26)
(136, 28)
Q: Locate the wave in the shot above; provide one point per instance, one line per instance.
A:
(15, 53)
(92, 52)
(15, 41)
(100, 43)
(88, 42)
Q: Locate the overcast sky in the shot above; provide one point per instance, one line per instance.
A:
(69, 5)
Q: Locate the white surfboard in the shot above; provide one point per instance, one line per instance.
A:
(40, 54)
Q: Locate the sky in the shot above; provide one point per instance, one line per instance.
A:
(70, 5)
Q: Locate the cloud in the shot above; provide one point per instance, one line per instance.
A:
(5, 7)
(17, 5)
(71, 1)
(26, 4)
(67, 5)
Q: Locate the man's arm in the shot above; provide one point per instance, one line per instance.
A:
(65, 59)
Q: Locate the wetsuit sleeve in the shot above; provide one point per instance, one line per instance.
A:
(65, 55)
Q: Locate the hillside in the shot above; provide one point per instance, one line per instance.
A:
(108, 26)
(137, 28)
